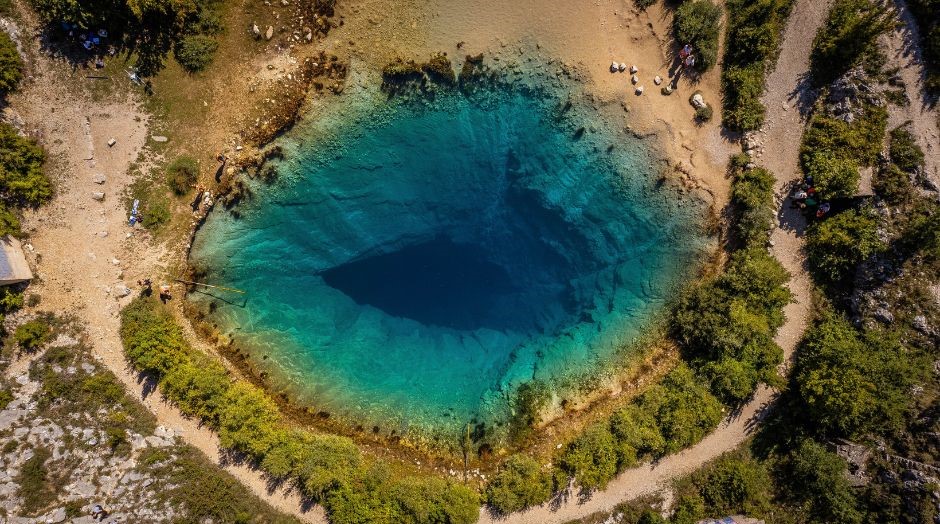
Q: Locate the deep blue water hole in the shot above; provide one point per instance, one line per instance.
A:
(412, 266)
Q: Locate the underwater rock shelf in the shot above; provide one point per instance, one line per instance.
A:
(418, 265)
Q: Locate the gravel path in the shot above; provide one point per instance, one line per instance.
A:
(787, 100)
(903, 49)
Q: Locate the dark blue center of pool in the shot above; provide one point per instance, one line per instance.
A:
(411, 266)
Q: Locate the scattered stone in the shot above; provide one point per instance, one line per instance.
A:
(269, 33)
(159, 138)
(255, 30)
(639, 90)
(121, 291)
(635, 79)
(103, 234)
(112, 141)
(99, 179)
(97, 195)
(666, 90)
(883, 315)
(658, 80)
(614, 67)
(622, 67)
(698, 102)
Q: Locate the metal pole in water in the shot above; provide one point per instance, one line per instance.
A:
(209, 285)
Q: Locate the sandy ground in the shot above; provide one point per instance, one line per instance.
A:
(581, 36)
(902, 47)
(82, 249)
(788, 102)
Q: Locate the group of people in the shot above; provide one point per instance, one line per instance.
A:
(807, 199)
(146, 288)
(686, 57)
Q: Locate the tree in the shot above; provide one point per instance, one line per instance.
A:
(849, 34)
(735, 484)
(833, 177)
(837, 245)
(698, 22)
(11, 65)
(818, 477)
(519, 483)
(182, 174)
(591, 458)
(22, 179)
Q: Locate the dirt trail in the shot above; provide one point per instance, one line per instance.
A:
(81, 247)
(787, 100)
(903, 48)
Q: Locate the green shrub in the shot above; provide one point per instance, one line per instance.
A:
(34, 483)
(591, 458)
(195, 52)
(11, 65)
(904, 151)
(519, 483)
(637, 433)
(156, 213)
(9, 222)
(5, 398)
(643, 4)
(742, 88)
(704, 113)
(754, 28)
(837, 245)
(182, 174)
(32, 335)
(698, 22)
(817, 478)
(847, 38)
(735, 485)
(893, 185)
(859, 141)
(22, 180)
(833, 177)
(684, 409)
(752, 200)
(852, 384)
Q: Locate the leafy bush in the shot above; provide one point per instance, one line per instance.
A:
(156, 213)
(591, 458)
(847, 38)
(327, 468)
(22, 180)
(836, 246)
(852, 383)
(754, 28)
(33, 334)
(684, 409)
(752, 200)
(892, 184)
(833, 177)
(698, 22)
(195, 52)
(643, 4)
(182, 174)
(9, 222)
(34, 482)
(520, 483)
(5, 398)
(11, 65)
(726, 326)
(904, 151)
(704, 113)
(817, 478)
(859, 141)
(735, 485)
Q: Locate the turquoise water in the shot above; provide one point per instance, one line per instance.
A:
(410, 267)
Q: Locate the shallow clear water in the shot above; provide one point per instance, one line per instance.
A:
(418, 263)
